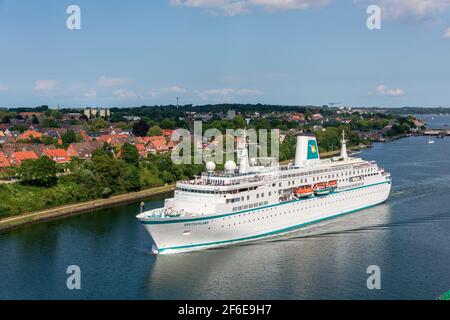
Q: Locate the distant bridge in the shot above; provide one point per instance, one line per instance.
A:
(437, 132)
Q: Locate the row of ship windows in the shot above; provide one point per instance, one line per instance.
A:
(307, 207)
(258, 195)
(249, 206)
(353, 185)
(288, 212)
(330, 176)
(314, 179)
(317, 172)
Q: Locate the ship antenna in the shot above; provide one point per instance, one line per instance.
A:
(344, 154)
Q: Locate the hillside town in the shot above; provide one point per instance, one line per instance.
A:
(24, 138)
(63, 135)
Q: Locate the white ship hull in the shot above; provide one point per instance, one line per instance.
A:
(175, 235)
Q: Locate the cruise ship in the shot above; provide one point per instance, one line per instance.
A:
(260, 198)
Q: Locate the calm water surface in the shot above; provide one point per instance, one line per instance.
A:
(408, 237)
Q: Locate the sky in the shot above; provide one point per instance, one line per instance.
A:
(292, 52)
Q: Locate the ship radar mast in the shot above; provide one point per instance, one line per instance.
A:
(344, 154)
(243, 163)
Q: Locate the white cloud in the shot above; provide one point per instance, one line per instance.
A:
(46, 84)
(2, 87)
(107, 82)
(391, 9)
(447, 33)
(228, 91)
(288, 4)
(91, 94)
(236, 7)
(220, 94)
(410, 9)
(174, 89)
(223, 7)
(249, 92)
(125, 94)
(152, 93)
(384, 91)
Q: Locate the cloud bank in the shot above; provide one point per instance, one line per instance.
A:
(391, 9)
(237, 7)
(385, 91)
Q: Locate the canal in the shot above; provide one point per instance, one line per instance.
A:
(408, 238)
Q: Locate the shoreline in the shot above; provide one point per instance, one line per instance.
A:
(14, 222)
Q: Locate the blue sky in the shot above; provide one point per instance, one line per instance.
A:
(296, 52)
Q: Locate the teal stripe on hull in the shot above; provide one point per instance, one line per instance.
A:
(250, 210)
(267, 234)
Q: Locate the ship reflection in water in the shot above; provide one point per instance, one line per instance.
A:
(293, 266)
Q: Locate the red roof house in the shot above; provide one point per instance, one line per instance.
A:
(58, 155)
(83, 150)
(142, 150)
(159, 146)
(18, 157)
(167, 133)
(4, 163)
(29, 134)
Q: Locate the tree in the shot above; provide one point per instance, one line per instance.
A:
(130, 179)
(47, 140)
(168, 124)
(40, 172)
(88, 182)
(140, 128)
(105, 150)
(98, 124)
(18, 127)
(69, 137)
(130, 154)
(107, 170)
(34, 120)
(154, 131)
(6, 119)
(42, 108)
(55, 114)
(239, 122)
(49, 123)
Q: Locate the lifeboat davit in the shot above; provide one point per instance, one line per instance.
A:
(303, 192)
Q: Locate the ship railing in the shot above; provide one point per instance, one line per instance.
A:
(161, 213)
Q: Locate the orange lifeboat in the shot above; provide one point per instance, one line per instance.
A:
(304, 191)
(332, 184)
(322, 188)
(320, 185)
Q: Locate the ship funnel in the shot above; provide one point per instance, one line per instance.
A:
(306, 151)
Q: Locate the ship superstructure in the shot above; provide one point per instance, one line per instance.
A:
(261, 198)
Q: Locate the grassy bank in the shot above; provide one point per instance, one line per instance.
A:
(72, 209)
(41, 187)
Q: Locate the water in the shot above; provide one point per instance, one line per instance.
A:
(408, 238)
(435, 121)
